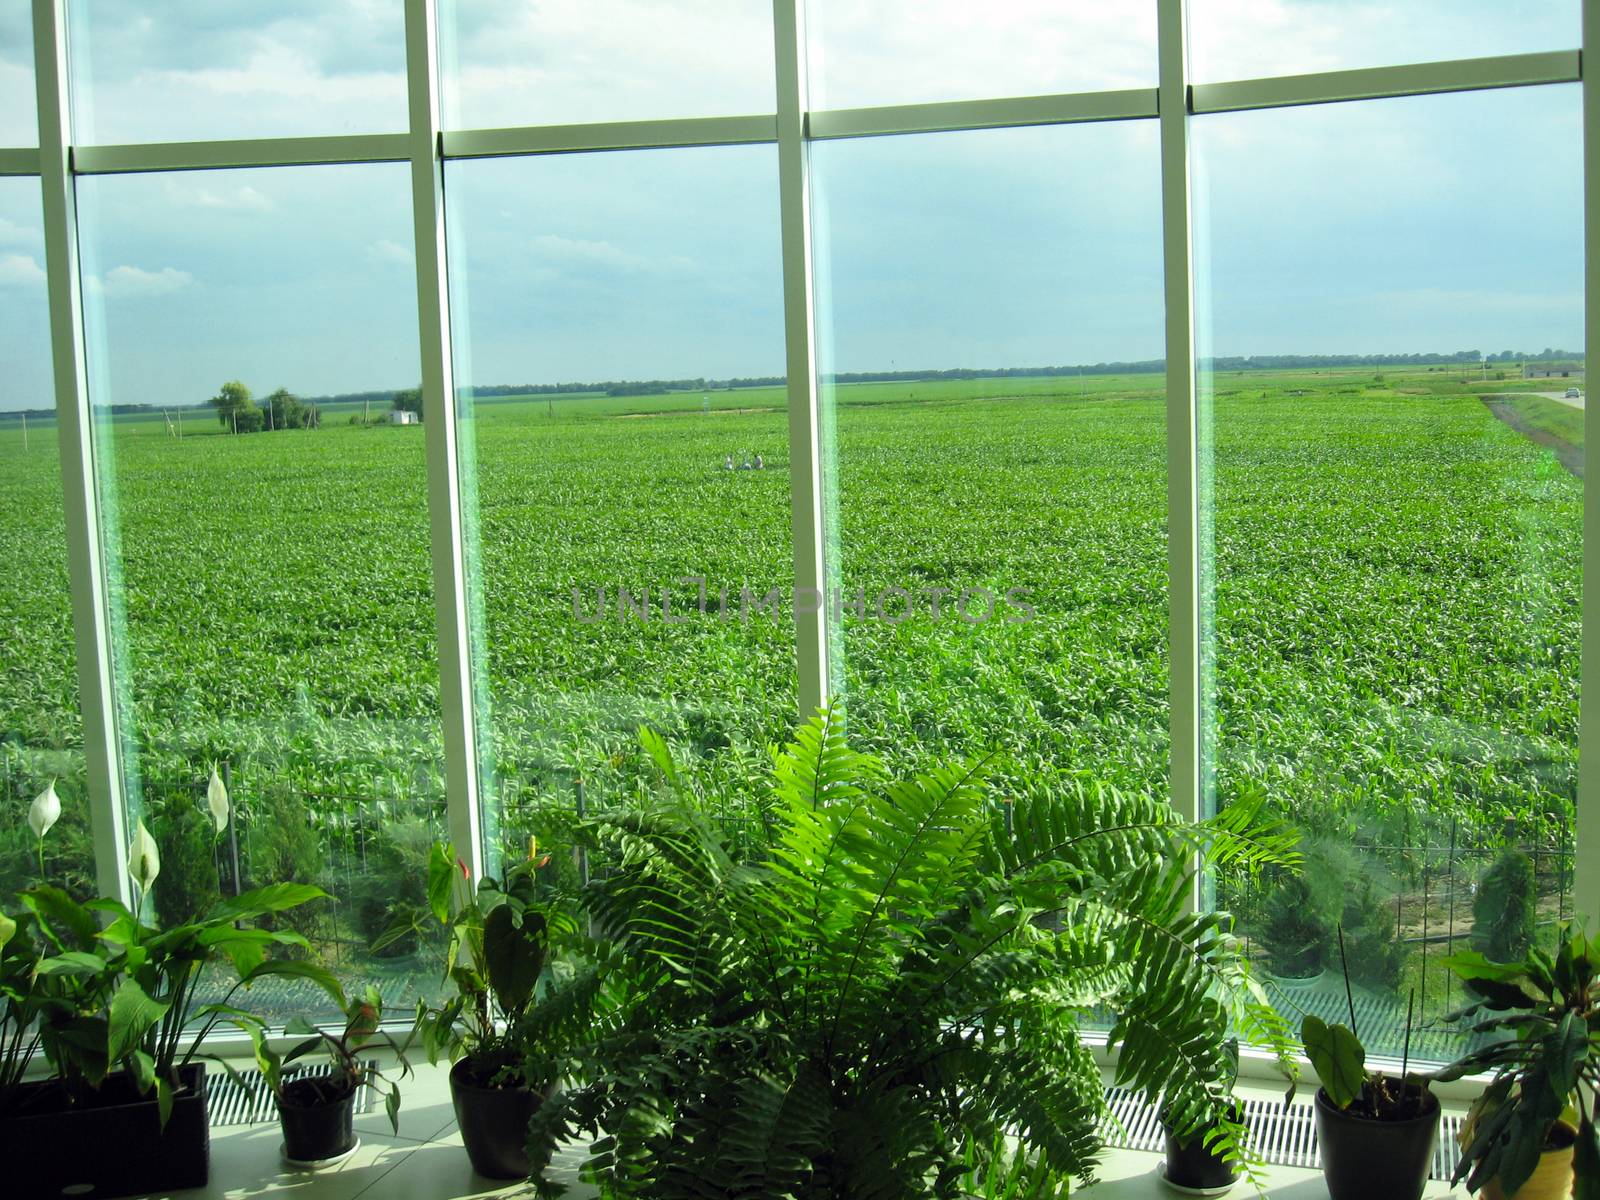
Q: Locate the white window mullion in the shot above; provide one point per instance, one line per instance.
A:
(440, 433)
(86, 567)
(805, 437)
(1586, 875)
(1183, 447)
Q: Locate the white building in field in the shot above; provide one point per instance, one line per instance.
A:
(400, 417)
(1552, 370)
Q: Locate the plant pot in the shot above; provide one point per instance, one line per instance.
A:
(112, 1145)
(1551, 1179)
(314, 1129)
(1363, 1158)
(1299, 983)
(1194, 1167)
(493, 1123)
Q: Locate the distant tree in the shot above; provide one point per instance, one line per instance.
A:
(409, 400)
(287, 411)
(236, 409)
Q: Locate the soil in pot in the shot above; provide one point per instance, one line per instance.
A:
(317, 1116)
(1551, 1179)
(1193, 1165)
(493, 1122)
(1364, 1157)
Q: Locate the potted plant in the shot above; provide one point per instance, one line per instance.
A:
(877, 998)
(498, 944)
(1376, 1133)
(316, 1109)
(1533, 1127)
(119, 1023)
(1194, 1164)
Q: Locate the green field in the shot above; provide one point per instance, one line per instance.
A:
(1394, 596)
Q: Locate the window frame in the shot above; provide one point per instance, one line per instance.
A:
(792, 126)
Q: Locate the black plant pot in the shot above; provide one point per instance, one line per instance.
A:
(494, 1123)
(1193, 1164)
(316, 1128)
(1363, 1159)
(111, 1145)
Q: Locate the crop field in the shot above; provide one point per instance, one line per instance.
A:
(1392, 656)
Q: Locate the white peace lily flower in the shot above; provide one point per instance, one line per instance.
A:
(144, 861)
(45, 811)
(217, 799)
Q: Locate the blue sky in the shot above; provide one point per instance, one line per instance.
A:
(1443, 223)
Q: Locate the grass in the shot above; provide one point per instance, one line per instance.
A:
(1393, 600)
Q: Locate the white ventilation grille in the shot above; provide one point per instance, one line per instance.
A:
(229, 1103)
(1283, 1136)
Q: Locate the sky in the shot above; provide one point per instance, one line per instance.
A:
(1436, 223)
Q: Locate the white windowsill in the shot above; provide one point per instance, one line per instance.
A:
(426, 1159)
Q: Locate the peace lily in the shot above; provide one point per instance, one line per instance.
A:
(144, 861)
(217, 799)
(45, 811)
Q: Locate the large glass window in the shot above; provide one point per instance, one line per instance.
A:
(569, 62)
(1250, 39)
(1396, 422)
(619, 350)
(196, 71)
(991, 339)
(250, 334)
(914, 51)
(41, 731)
(19, 105)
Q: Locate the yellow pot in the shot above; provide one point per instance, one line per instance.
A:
(1551, 1179)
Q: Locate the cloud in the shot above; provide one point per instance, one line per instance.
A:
(128, 283)
(586, 254)
(385, 251)
(20, 270)
(243, 198)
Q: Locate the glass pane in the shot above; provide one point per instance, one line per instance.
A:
(992, 341)
(913, 51)
(619, 342)
(269, 542)
(41, 731)
(1252, 39)
(19, 104)
(568, 62)
(1397, 514)
(195, 71)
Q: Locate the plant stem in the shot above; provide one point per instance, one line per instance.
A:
(1344, 969)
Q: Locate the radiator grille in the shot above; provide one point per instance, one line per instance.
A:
(1283, 1136)
(249, 1103)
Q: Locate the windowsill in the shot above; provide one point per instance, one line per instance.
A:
(426, 1158)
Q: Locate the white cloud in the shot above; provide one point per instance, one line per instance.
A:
(127, 283)
(20, 269)
(14, 234)
(243, 198)
(385, 251)
(583, 253)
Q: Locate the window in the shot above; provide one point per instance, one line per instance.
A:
(41, 729)
(1250, 39)
(619, 342)
(167, 73)
(248, 332)
(1389, 300)
(575, 61)
(1398, 537)
(915, 51)
(992, 337)
(19, 106)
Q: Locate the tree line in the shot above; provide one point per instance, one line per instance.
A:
(239, 411)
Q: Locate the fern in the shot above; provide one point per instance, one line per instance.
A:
(884, 998)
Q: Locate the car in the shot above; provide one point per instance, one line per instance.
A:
(1572, 393)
